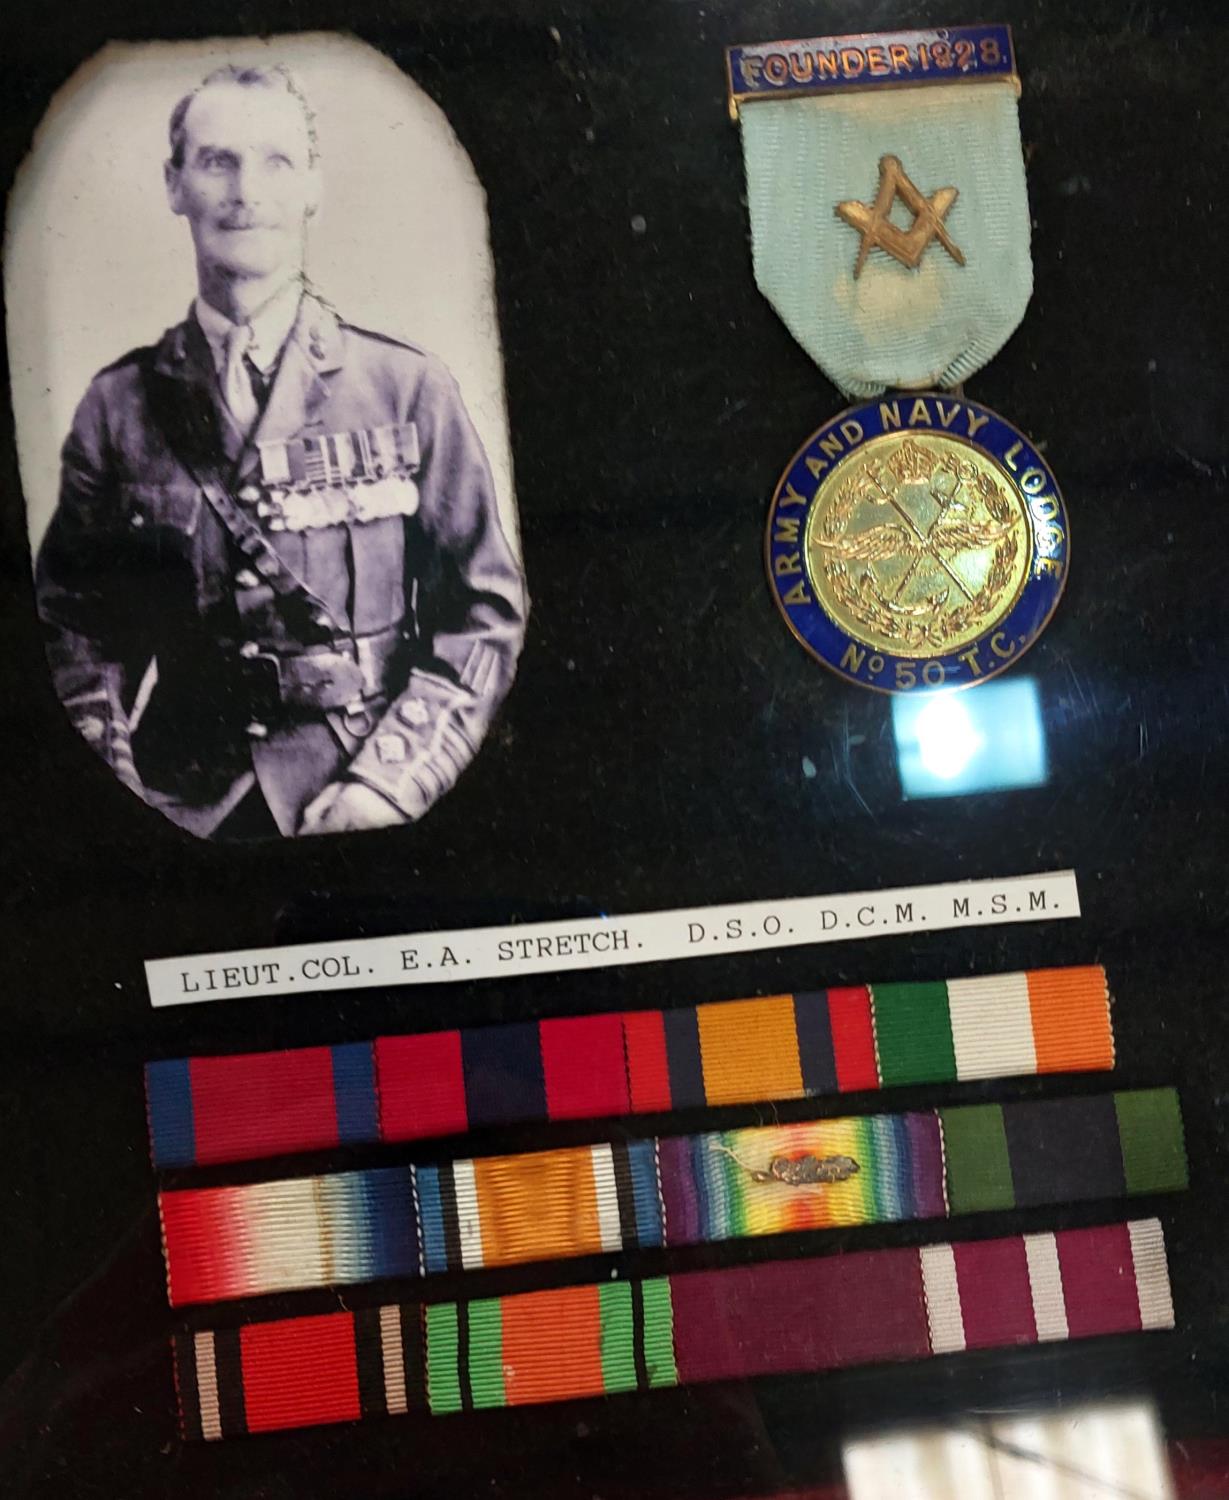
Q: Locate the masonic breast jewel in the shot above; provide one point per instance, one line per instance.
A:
(917, 540)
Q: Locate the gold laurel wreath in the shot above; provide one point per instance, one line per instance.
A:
(923, 624)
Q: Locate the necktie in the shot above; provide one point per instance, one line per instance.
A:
(259, 381)
(236, 382)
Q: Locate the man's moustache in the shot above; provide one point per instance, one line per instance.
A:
(246, 224)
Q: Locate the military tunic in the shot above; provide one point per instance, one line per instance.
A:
(331, 598)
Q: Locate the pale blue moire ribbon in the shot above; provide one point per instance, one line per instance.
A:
(892, 327)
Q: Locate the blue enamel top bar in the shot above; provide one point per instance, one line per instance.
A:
(881, 59)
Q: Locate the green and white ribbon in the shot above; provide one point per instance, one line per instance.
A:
(809, 148)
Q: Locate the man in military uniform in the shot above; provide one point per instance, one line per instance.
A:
(284, 523)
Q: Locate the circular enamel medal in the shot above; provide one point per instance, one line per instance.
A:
(916, 543)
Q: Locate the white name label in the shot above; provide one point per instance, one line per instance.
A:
(601, 942)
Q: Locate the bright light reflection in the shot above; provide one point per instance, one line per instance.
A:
(981, 740)
(947, 738)
(1106, 1451)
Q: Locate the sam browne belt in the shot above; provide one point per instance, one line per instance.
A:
(321, 677)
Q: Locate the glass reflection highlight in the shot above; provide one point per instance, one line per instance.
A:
(988, 740)
(1110, 1451)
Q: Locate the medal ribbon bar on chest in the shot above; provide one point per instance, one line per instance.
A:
(362, 456)
(339, 478)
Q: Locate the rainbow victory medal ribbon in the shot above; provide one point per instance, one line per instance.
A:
(355, 1227)
(918, 541)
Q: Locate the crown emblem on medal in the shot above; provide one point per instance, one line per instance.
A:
(878, 232)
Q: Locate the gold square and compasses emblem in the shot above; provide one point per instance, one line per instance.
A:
(907, 246)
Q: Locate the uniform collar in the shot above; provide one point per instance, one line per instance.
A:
(184, 350)
(300, 388)
(318, 332)
(270, 325)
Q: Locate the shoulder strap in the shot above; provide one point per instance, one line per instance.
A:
(263, 557)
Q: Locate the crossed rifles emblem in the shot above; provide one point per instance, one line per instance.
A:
(877, 230)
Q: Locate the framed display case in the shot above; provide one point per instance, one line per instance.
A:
(613, 766)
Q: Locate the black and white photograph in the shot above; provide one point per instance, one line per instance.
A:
(276, 553)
